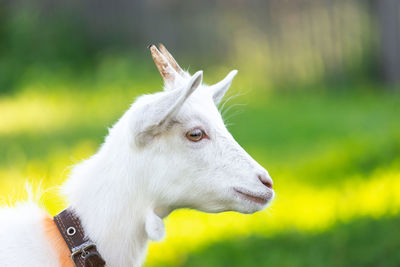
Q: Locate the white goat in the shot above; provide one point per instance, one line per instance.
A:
(169, 150)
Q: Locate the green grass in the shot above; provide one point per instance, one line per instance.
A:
(362, 242)
(334, 158)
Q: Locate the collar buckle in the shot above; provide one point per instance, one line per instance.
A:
(82, 249)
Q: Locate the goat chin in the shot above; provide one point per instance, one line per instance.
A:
(170, 149)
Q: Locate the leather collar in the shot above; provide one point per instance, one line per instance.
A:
(83, 251)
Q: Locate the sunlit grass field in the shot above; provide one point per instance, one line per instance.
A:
(334, 158)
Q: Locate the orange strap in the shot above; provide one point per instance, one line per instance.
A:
(57, 242)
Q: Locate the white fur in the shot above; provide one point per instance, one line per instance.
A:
(22, 241)
(145, 169)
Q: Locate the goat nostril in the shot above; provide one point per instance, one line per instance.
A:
(266, 181)
(268, 184)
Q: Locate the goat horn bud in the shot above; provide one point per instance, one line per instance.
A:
(171, 60)
(161, 64)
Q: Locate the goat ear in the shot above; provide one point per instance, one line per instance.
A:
(160, 113)
(219, 89)
(154, 226)
(184, 94)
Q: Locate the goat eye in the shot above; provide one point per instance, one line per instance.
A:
(195, 135)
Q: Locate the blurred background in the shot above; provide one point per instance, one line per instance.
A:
(316, 102)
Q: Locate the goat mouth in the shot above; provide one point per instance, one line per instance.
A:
(253, 198)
